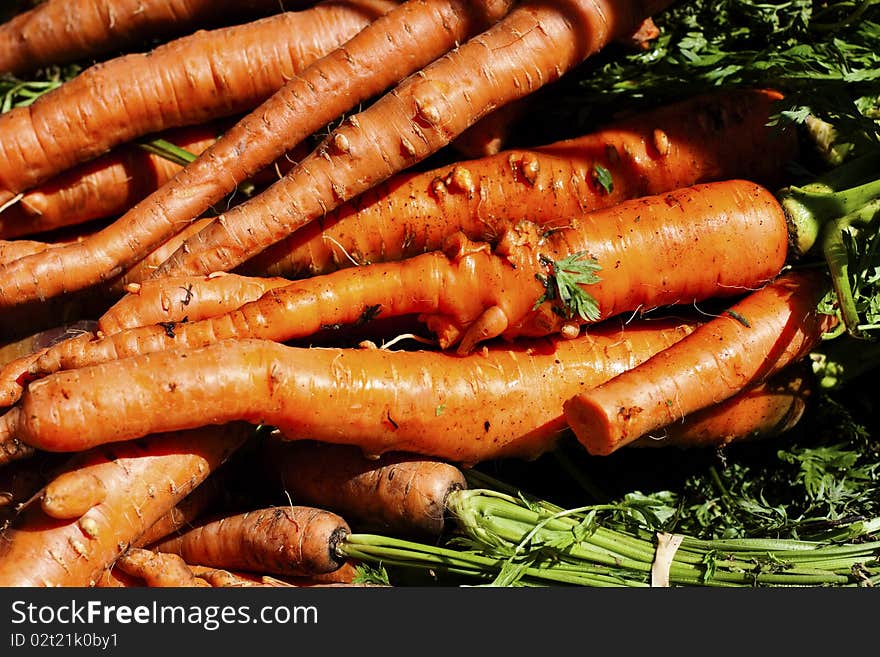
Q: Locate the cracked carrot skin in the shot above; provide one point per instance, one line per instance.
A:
(364, 66)
(64, 31)
(283, 540)
(99, 189)
(502, 401)
(533, 45)
(716, 136)
(758, 336)
(650, 251)
(148, 478)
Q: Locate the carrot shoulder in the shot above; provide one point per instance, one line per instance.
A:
(757, 336)
(533, 45)
(148, 478)
(464, 409)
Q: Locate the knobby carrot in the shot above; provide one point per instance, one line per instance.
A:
(283, 540)
(219, 73)
(157, 569)
(534, 44)
(675, 248)
(64, 31)
(184, 298)
(366, 65)
(71, 494)
(397, 493)
(149, 478)
(759, 335)
(712, 137)
(501, 401)
(100, 189)
(763, 411)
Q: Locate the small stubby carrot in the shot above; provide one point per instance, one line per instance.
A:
(676, 248)
(99, 189)
(157, 569)
(399, 493)
(362, 67)
(283, 540)
(184, 298)
(764, 411)
(86, 116)
(533, 45)
(759, 335)
(150, 477)
(65, 31)
(715, 136)
(501, 401)
(72, 493)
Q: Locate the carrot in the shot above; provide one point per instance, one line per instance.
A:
(183, 298)
(158, 569)
(763, 411)
(99, 189)
(220, 577)
(398, 493)
(534, 44)
(64, 31)
(489, 135)
(680, 247)
(86, 116)
(18, 248)
(29, 345)
(757, 336)
(463, 409)
(150, 477)
(364, 67)
(706, 138)
(284, 540)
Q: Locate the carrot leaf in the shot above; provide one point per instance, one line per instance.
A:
(567, 276)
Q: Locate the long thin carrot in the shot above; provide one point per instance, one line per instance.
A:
(102, 188)
(763, 411)
(716, 136)
(400, 493)
(150, 477)
(283, 540)
(219, 73)
(184, 298)
(365, 66)
(502, 401)
(64, 31)
(536, 43)
(757, 336)
(680, 247)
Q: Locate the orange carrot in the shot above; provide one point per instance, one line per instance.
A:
(421, 402)
(397, 493)
(99, 189)
(489, 135)
(181, 517)
(184, 298)
(150, 477)
(763, 411)
(86, 116)
(364, 67)
(157, 569)
(65, 31)
(29, 345)
(680, 247)
(71, 494)
(757, 336)
(284, 540)
(534, 44)
(226, 578)
(711, 137)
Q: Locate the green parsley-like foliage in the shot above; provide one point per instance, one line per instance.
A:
(567, 276)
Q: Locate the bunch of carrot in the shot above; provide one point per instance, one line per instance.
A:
(632, 286)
